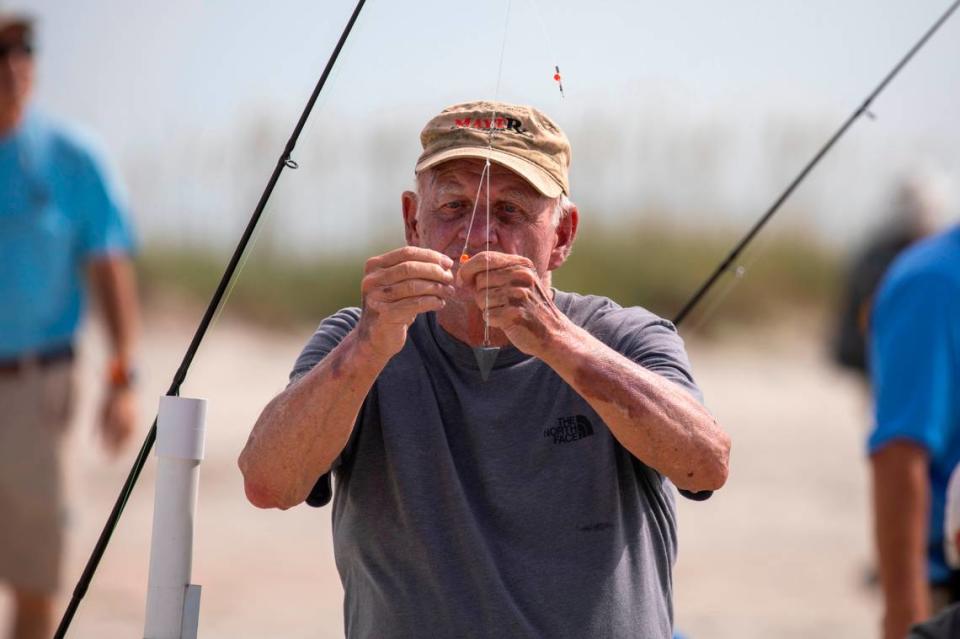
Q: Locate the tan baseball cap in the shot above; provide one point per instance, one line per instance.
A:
(520, 138)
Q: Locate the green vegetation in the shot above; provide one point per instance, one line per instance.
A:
(660, 268)
(652, 266)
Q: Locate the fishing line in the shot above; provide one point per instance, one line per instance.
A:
(503, 49)
(553, 48)
(248, 251)
(487, 168)
(464, 256)
(486, 291)
(736, 277)
(486, 354)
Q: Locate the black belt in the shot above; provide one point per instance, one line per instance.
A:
(42, 359)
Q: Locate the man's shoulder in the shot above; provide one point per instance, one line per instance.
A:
(325, 338)
(333, 328)
(61, 142)
(345, 317)
(597, 311)
(931, 265)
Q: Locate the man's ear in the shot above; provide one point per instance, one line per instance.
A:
(564, 235)
(411, 229)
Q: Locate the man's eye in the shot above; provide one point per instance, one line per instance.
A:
(449, 210)
(510, 212)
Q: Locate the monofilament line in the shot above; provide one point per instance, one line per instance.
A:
(486, 168)
(486, 291)
(503, 48)
(476, 202)
(550, 43)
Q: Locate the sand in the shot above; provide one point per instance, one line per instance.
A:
(781, 551)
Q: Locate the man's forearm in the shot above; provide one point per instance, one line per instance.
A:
(653, 418)
(114, 282)
(901, 500)
(302, 431)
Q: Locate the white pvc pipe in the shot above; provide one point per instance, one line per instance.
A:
(180, 437)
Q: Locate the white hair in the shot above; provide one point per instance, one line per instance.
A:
(562, 209)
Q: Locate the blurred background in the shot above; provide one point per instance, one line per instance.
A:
(686, 120)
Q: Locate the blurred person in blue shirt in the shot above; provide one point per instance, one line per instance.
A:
(61, 222)
(915, 443)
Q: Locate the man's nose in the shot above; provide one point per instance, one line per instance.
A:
(480, 232)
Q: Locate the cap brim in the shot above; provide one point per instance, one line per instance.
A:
(537, 177)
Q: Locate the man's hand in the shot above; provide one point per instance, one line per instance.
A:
(397, 286)
(118, 417)
(114, 281)
(508, 289)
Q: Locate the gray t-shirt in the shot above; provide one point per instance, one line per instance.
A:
(503, 508)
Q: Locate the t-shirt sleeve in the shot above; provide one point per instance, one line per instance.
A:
(101, 205)
(328, 335)
(913, 341)
(657, 346)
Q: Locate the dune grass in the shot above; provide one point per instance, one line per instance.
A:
(651, 266)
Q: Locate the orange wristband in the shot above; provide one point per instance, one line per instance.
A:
(121, 375)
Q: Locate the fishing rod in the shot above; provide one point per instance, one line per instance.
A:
(863, 109)
(285, 161)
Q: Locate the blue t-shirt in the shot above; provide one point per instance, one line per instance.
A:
(58, 209)
(915, 362)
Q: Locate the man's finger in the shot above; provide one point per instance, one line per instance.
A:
(406, 310)
(411, 288)
(499, 316)
(512, 275)
(497, 297)
(408, 254)
(489, 261)
(407, 271)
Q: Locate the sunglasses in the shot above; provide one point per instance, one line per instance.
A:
(16, 48)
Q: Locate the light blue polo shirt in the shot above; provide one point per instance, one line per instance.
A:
(915, 362)
(58, 209)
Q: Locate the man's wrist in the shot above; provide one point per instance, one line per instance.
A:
(364, 345)
(566, 346)
(121, 374)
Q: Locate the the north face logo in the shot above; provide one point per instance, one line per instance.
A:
(490, 124)
(569, 429)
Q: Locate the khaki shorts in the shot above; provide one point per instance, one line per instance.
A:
(35, 408)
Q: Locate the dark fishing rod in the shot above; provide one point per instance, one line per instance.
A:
(285, 161)
(742, 244)
(861, 110)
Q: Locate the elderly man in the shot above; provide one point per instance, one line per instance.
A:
(58, 218)
(534, 504)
